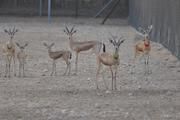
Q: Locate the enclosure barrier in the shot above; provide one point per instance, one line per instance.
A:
(165, 17)
(87, 8)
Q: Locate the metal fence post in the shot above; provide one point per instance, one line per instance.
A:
(40, 7)
(49, 11)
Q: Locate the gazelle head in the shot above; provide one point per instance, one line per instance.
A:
(70, 32)
(116, 43)
(48, 46)
(11, 32)
(22, 47)
(146, 32)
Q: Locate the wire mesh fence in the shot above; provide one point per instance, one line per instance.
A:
(86, 8)
(164, 15)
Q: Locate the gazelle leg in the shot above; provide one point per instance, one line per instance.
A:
(112, 76)
(19, 69)
(104, 79)
(9, 67)
(55, 68)
(133, 69)
(76, 63)
(14, 62)
(69, 66)
(52, 68)
(6, 70)
(97, 74)
(149, 70)
(115, 78)
(145, 65)
(23, 71)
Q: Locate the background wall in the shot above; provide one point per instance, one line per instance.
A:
(165, 17)
(87, 8)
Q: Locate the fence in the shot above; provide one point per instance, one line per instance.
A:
(165, 17)
(60, 7)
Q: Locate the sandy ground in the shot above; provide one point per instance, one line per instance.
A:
(41, 97)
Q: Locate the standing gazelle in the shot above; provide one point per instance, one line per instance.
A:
(110, 60)
(21, 56)
(54, 55)
(9, 51)
(143, 47)
(77, 46)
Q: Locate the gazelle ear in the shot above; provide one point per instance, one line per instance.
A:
(6, 31)
(17, 44)
(45, 44)
(111, 41)
(65, 31)
(52, 45)
(26, 44)
(121, 41)
(74, 31)
(17, 30)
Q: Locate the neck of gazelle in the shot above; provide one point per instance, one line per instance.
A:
(10, 44)
(146, 42)
(116, 55)
(49, 51)
(71, 41)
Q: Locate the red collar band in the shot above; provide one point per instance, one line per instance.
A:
(147, 45)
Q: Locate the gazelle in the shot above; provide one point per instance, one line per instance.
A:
(78, 47)
(54, 55)
(143, 47)
(110, 60)
(21, 56)
(9, 51)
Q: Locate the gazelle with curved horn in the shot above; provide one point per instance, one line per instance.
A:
(143, 47)
(77, 46)
(9, 51)
(110, 60)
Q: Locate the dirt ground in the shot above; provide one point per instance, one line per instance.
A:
(41, 97)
